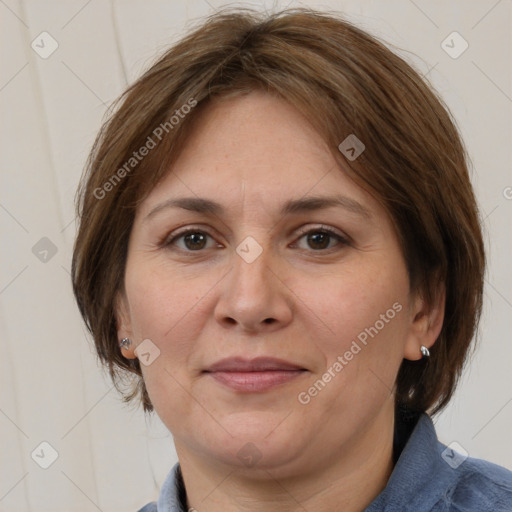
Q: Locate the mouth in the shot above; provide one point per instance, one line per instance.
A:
(255, 375)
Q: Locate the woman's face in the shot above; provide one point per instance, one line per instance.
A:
(267, 272)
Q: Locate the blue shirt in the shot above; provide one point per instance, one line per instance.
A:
(427, 477)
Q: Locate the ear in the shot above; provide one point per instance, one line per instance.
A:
(124, 325)
(426, 323)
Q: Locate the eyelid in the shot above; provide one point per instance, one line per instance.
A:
(322, 227)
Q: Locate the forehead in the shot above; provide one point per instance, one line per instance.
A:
(234, 131)
(257, 147)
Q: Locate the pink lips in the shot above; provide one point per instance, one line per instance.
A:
(255, 375)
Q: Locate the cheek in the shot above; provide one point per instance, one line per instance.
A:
(355, 304)
(364, 328)
(159, 299)
(363, 315)
(168, 311)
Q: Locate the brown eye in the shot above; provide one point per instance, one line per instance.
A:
(318, 240)
(190, 240)
(195, 240)
(322, 239)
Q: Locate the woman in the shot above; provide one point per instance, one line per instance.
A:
(280, 241)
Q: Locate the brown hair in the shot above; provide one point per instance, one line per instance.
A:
(346, 82)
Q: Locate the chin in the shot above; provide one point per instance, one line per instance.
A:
(257, 458)
(258, 443)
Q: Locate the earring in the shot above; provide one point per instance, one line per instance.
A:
(425, 352)
(125, 343)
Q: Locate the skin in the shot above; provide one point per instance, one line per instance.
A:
(300, 300)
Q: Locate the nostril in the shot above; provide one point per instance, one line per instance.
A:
(269, 320)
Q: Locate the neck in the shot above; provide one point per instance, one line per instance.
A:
(348, 482)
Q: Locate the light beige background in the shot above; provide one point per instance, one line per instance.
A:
(111, 458)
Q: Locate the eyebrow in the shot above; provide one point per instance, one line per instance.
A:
(293, 206)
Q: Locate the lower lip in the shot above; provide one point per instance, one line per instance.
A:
(255, 381)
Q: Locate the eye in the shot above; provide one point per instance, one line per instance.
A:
(320, 239)
(196, 240)
(191, 240)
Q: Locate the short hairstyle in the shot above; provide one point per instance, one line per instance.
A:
(345, 82)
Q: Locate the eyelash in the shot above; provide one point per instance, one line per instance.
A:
(342, 240)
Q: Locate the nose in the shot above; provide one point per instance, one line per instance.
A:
(253, 296)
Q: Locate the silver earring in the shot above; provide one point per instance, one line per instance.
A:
(125, 343)
(425, 352)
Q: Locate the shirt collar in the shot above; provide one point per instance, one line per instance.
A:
(172, 496)
(420, 477)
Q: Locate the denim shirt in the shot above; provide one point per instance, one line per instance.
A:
(428, 477)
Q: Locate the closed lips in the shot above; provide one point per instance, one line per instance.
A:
(254, 376)
(260, 364)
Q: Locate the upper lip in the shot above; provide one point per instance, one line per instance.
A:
(258, 364)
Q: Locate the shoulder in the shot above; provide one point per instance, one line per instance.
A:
(461, 483)
(480, 485)
(432, 477)
(150, 507)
